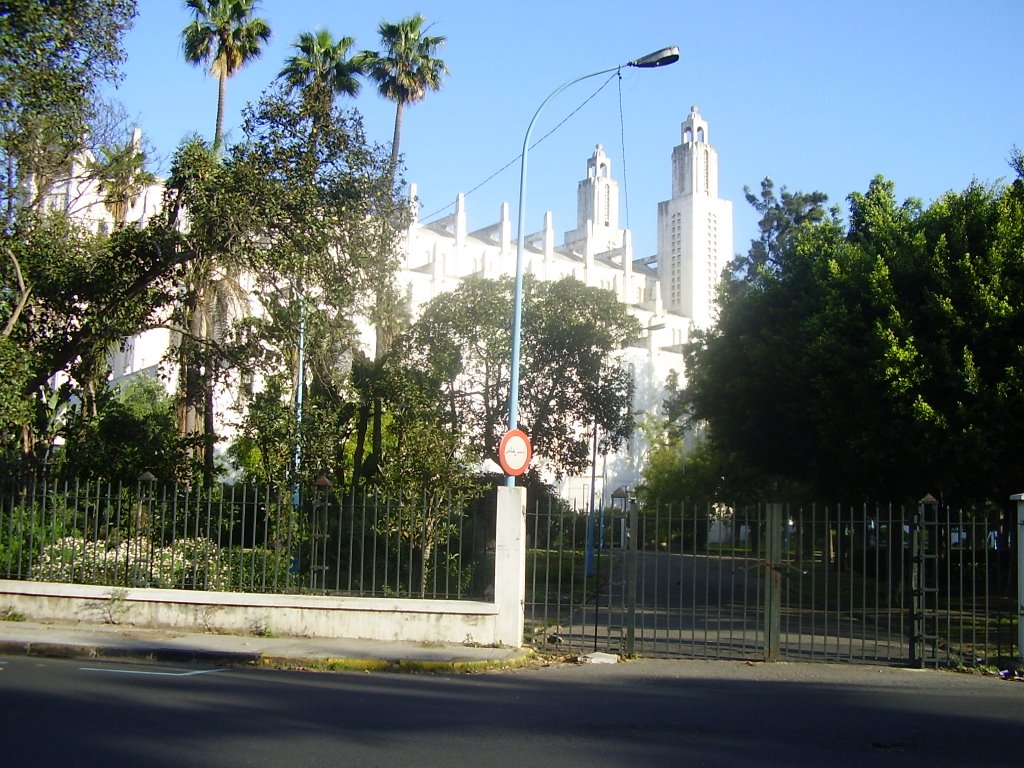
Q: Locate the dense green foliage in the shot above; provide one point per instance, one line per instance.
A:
(55, 57)
(572, 375)
(311, 260)
(881, 359)
(133, 433)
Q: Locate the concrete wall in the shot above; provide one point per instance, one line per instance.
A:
(438, 621)
(366, 618)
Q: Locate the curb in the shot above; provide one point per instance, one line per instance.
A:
(149, 653)
(34, 648)
(401, 666)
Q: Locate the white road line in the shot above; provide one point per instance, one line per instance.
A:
(146, 672)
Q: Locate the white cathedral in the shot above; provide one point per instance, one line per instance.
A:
(670, 293)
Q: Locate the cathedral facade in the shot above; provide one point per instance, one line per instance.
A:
(670, 293)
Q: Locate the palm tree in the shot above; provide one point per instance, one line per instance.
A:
(225, 35)
(321, 70)
(122, 177)
(406, 69)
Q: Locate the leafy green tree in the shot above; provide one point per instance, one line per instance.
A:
(133, 432)
(69, 293)
(429, 473)
(265, 447)
(781, 217)
(55, 58)
(879, 360)
(72, 292)
(224, 35)
(304, 208)
(572, 374)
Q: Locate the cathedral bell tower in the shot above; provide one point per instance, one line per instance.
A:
(694, 227)
(597, 206)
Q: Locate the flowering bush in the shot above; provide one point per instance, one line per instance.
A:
(194, 563)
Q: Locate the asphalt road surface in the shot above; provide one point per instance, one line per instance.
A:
(648, 713)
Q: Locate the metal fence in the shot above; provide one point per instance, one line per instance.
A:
(921, 585)
(238, 538)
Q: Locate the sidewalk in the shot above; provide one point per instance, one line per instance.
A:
(116, 641)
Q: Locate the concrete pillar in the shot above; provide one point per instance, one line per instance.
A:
(510, 565)
(460, 220)
(505, 236)
(548, 272)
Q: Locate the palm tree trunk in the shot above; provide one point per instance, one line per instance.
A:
(357, 458)
(208, 425)
(396, 142)
(218, 133)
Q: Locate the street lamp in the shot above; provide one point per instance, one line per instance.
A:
(660, 58)
(300, 385)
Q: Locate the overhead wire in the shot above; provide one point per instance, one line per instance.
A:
(622, 142)
(429, 218)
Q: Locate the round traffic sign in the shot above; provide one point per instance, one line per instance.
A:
(515, 452)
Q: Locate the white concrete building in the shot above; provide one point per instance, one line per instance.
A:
(694, 227)
(78, 194)
(670, 293)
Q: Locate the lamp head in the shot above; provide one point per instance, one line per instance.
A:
(662, 58)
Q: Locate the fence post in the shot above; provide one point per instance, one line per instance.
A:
(631, 578)
(916, 623)
(1018, 542)
(925, 545)
(773, 583)
(510, 565)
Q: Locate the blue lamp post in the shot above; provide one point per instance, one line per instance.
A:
(659, 58)
(300, 385)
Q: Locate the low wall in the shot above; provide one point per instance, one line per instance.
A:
(364, 618)
(428, 621)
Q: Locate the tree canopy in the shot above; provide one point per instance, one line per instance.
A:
(55, 58)
(881, 359)
(224, 35)
(573, 375)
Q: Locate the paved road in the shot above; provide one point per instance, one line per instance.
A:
(59, 712)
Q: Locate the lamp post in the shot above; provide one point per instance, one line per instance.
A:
(659, 58)
(300, 385)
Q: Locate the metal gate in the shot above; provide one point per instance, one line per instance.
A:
(924, 585)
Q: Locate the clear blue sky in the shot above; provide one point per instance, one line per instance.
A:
(817, 95)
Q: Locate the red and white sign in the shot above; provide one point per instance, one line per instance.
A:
(515, 452)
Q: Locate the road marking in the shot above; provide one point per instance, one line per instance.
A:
(147, 672)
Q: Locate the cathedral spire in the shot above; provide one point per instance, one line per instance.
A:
(694, 227)
(597, 206)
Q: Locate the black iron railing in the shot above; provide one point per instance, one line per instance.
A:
(238, 538)
(921, 584)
